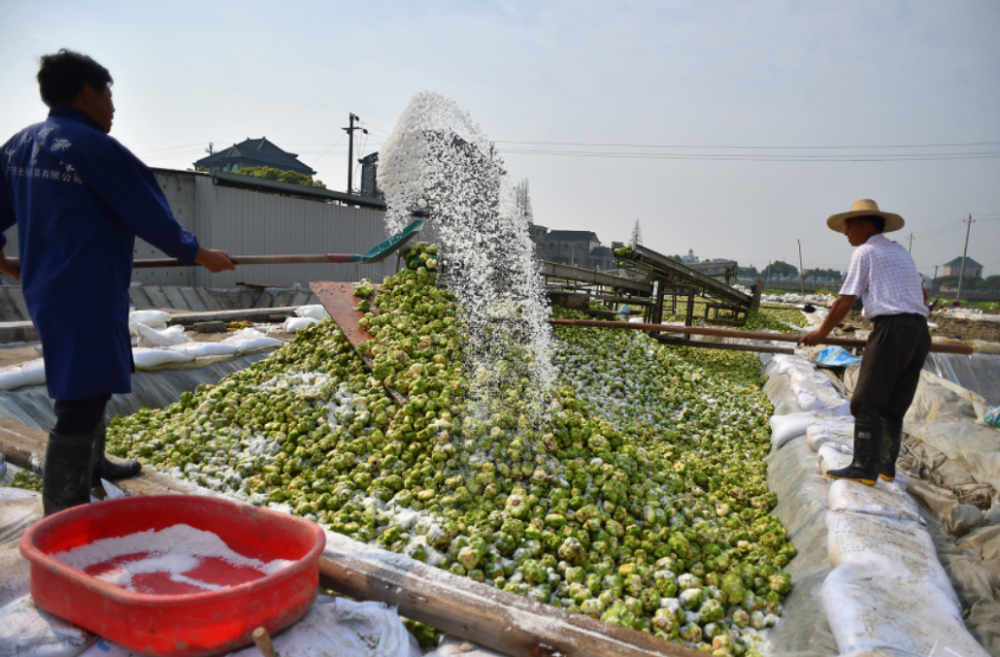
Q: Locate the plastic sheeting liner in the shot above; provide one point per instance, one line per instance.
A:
(31, 373)
(867, 608)
(293, 324)
(894, 548)
(334, 627)
(317, 311)
(858, 498)
(27, 631)
(837, 434)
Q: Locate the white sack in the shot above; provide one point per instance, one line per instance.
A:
(31, 373)
(250, 341)
(207, 349)
(894, 548)
(868, 609)
(831, 458)
(317, 311)
(799, 377)
(151, 318)
(293, 324)
(820, 399)
(27, 631)
(151, 337)
(786, 427)
(836, 432)
(333, 627)
(157, 359)
(858, 498)
(788, 361)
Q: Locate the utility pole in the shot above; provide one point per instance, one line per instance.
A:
(352, 117)
(934, 280)
(911, 243)
(210, 155)
(961, 272)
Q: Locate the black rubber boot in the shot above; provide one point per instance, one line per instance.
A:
(105, 469)
(892, 440)
(867, 454)
(66, 475)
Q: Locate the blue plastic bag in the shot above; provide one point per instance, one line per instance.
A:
(835, 357)
(993, 418)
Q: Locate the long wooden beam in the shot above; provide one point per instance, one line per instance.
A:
(731, 333)
(726, 346)
(508, 623)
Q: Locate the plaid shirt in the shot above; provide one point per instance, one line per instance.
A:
(884, 275)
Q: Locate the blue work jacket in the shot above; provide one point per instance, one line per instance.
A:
(79, 199)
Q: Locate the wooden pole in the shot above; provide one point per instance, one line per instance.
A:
(731, 333)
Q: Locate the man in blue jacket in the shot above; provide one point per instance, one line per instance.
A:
(79, 199)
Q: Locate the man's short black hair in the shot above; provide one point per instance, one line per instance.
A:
(876, 221)
(62, 76)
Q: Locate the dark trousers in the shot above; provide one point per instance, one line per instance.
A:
(890, 368)
(79, 417)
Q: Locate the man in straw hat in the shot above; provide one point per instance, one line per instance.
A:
(884, 275)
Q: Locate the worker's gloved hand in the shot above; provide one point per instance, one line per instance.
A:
(214, 260)
(812, 338)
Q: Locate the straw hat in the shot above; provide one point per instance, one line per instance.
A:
(865, 208)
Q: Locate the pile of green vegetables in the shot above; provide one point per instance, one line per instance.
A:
(638, 497)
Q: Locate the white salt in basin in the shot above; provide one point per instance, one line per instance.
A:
(176, 560)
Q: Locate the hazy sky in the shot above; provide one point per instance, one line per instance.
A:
(723, 116)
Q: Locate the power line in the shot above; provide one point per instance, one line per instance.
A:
(327, 150)
(759, 158)
(599, 145)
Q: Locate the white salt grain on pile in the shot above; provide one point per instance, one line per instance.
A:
(174, 550)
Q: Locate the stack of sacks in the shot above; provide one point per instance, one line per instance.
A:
(887, 589)
(825, 414)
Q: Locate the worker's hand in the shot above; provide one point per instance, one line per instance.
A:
(812, 338)
(214, 260)
(12, 269)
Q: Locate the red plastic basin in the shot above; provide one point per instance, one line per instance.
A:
(188, 624)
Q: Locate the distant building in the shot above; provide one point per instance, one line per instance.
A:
(253, 153)
(690, 258)
(972, 268)
(579, 248)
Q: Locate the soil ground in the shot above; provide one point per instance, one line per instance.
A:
(956, 329)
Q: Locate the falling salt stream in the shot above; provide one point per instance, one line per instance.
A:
(438, 162)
